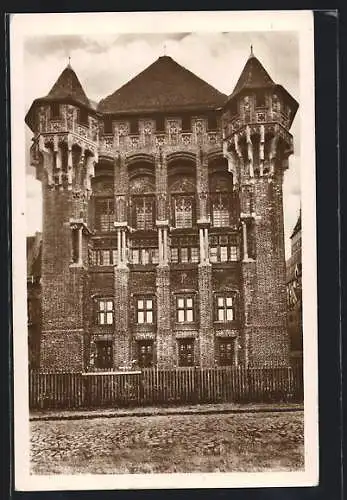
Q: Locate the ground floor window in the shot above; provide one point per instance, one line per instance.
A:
(186, 352)
(104, 354)
(226, 348)
(145, 353)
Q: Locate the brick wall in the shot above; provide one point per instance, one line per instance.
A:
(264, 281)
(62, 319)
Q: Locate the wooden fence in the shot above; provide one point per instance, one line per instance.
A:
(152, 386)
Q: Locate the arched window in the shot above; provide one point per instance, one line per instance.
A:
(183, 206)
(220, 199)
(142, 204)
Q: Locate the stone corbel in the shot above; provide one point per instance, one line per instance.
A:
(47, 160)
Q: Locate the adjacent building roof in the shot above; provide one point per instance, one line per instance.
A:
(297, 226)
(165, 85)
(34, 245)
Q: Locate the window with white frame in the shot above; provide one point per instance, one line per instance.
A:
(223, 248)
(185, 308)
(105, 311)
(144, 310)
(225, 307)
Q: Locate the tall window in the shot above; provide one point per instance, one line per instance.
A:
(183, 211)
(144, 310)
(105, 312)
(225, 308)
(226, 352)
(104, 354)
(145, 353)
(104, 214)
(220, 210)
(186, 352)
(185, 308)
(144, 212)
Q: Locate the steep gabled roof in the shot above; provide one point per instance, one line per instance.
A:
(254, 75)
(165, 85)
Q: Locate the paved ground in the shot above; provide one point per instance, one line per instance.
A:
(170, 443)
(163, 410)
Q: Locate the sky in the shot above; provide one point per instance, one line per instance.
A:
(103, 63)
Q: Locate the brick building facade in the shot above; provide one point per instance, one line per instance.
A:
(294, 293)
(34, 252)
(163, 240)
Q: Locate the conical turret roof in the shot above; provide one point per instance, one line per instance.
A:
(165, 85)
(68, 86)
(253, 76)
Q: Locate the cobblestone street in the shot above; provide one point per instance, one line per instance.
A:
(171, 443)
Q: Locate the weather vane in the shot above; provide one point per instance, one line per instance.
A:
(164, 49)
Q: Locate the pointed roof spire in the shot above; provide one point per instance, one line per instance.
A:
(68, 86)
(253, 75)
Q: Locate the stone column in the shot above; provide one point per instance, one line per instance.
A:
(122, 333)
(165, 339)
